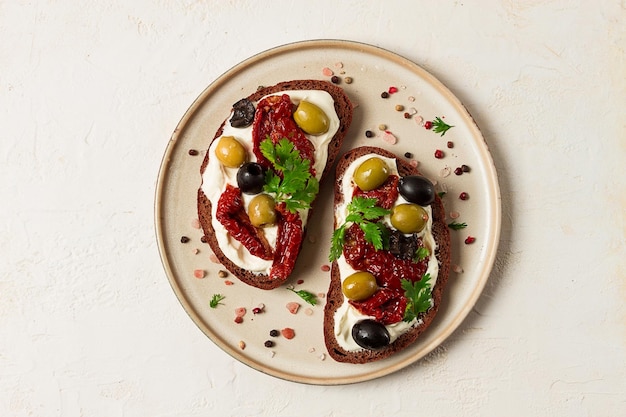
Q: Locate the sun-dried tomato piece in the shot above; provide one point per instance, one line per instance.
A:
(385, 195)
(232, 215)
(274, 119)
(288, 241)
(388, 303)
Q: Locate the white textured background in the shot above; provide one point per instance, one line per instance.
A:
(89, 95)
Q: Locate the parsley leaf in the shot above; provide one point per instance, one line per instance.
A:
(362, 211)
(297, 188)
(421, 254)
(439, 126)
(336, 243)
(216, 300)
(305, 295)
(419, 295)
(457, 226)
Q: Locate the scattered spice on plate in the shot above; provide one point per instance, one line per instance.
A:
(293, 307)
(288, 333)
(389, 138)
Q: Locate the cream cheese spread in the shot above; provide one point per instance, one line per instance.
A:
(216, 177)
(346, 315)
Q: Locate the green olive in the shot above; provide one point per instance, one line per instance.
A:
(230, 152)
(311, 118)
(371, 174)
(359, 286)
(261, 211)
(409, 218)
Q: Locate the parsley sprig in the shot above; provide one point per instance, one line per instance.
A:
(362, 211)
(419, 296)
(305, 295)
(457, 226)
(297, 188)
(439, 126)
(215, 300)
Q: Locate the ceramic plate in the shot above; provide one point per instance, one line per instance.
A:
(372, 71)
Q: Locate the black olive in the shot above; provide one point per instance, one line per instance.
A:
(417, 189)
(401, 246)
(370, 334)
(251, 178)
(243, 113)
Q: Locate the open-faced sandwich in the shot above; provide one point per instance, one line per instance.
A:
(261, 173)
(391, 257)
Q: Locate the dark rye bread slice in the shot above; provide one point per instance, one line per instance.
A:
(343, 107)
(335, 296)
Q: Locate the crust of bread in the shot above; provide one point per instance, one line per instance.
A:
(335, 296)
(343, 107)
